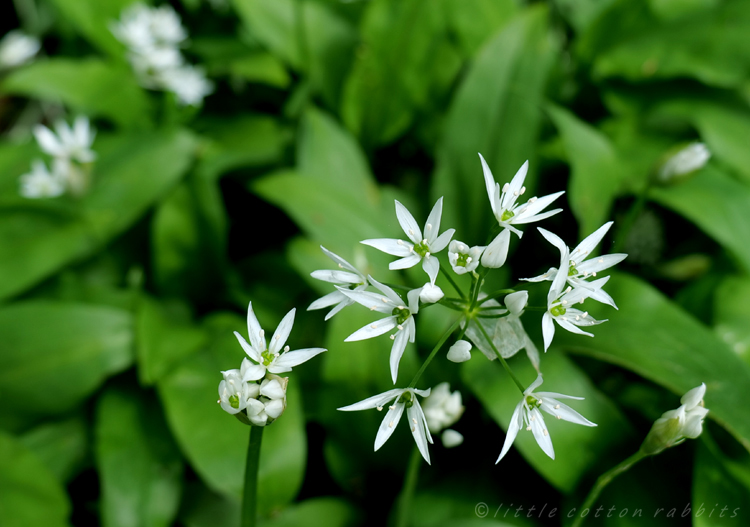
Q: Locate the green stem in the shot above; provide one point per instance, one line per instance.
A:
(434, 351)
(627, 223)
(603, 481)
(502, 360)
(410, 483)
(452, 282)
(250, 494)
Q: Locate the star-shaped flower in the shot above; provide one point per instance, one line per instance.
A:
(271, 358)
(40, 183)
(400, 317)
(580, 267)
(418, 248)
(527, 413)
(69, 142)
(404, 398)
(348, 277)
(234, 393)
(464, 259)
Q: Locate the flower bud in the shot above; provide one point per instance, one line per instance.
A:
(497, 251)
(674, 426)
(684, 162)
(431, 293)
(460, 351)
(451, 438)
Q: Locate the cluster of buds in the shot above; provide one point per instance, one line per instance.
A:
(153, 36)
(674, 426)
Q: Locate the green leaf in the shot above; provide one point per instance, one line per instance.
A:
(316, 512)
(93, 19)
(274, 24)
(474, 21)
(67, 348)
(596, 169)
(717, 204)
(731, 310)
(30, 495)
(502, 123)
(659, 341)
(720, 487)
(140, 468)
(214, 441)
(578, 448)
(62, 446)
(90, 86)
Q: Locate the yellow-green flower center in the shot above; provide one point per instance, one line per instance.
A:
(406, 399)
(572, 271)
(557, 311)
(507, 214)
(462, 259)
(267, 357)
(234, 401)
(421, 249)
(401, 314)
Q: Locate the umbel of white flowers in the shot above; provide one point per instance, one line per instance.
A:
(674, 426)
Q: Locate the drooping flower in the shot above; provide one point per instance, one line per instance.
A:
(16, 48)
(527, 414)
(464, 259)
(40, 183)
(581, 268)
(418, 248)
(674, 426)
(272, 358)
(404, 398)
(400, 317)
(348, 277)
(69, 142)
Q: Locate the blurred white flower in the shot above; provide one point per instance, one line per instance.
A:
(400, 317)
(442, 408)
(430, 293)
(463, 259)
(674, 426)
(16, 48)
(348, 277)
(451, 438)
(272, 358)
(166, 27)
(188, 83)
(39, 183)
(691, 158)
(404, 398)
(460, 351)
(418, 248)
(69, 142)
(527, 414)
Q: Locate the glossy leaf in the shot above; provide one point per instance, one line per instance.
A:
(731, 310)
(93, 18)
(62, 446)
(720, 487)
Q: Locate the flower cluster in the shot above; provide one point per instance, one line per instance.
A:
(153, 36)
(489, 321)
(70, 148)
(255, 394)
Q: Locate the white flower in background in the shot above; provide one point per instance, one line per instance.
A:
(527, 414)
(188, 83)
(691, 158)
(451, 438)
(151, 66)
(404, 398)
(460, 351)
(270, 402)
(430, 293)
(674, 426)
(271, 358)
(349, 277)
(442, 408)
(73, 143)
(464, 259)
(16, 48)
(234, 393)
(39, 183)
(509, 213)
(580, 269)
(400, 317)
(134, 28)
(418, 248)
(166, 26)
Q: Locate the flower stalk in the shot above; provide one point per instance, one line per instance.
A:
(250, 493)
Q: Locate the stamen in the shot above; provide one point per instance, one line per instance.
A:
(373, 326)
(557, 406)
(528, 429)
(399, 242)
(545, 432)
(400, 327)
(392, 407)
(261, 333)
(414, 420)
(413, 429)
(380, 408)
(578, 318)
(585, 314)
(564, 302)
(558, 417)
(593, 274)
(569, 289)
(506, 187)
(427, 254)
(532, 200)
(411, 232)
(393, 337)
(219, 401)
(523, 189)
(373, 308)
(341, 266)
(428, 227)
(601, 260)
(390, 425)
(286, 348)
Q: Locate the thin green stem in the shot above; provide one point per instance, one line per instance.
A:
(410, 483)
(500, 357)
(603, 481)
(250, 494)
(434, 351)
(499, 292)
(632, 215)
(452, 282)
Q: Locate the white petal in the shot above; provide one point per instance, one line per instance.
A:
(405, 263)
(340, 261)
(602, 296)
(554, 407)
(432, 227)
(374, 329)
(48, 141)
(541, 435)
(327, 300)
(548, 330)
(389, 423)
(390, 246)
(372, 301)
(290, 359)
(254, 330)
(516, 421)
(514, 189)
(534, 385)
(338, 308)
(430, 293)
(530, 210)
(496, 252)
(282, 332)
(561, 278)
(431, 266)
(565, 324)
(387, 291)
(600, 263)
(275, 408)
(418, 428)
(489, 182)
(692, 398)
(523, 219)
(272, 389)
(374, 401)
(253, 372)
(460, 351)
(584, 249)
(442, 240)
(250, 350)
(408, 223)
(554, 239)
(397, 351)
(546, 277)
(337, 277)
(516, 302)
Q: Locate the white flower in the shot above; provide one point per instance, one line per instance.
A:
(442, 408)
(271, 359)
(462, 258)
(188, 83)
(68, 143)
(403, 398)
(143, 28)
(151, 64)
(674, 426)
(39, 183)
(166, 26)
(509, 213)
(691, 158)
(580, 269)
(460, 351)
(234, 393)
(527, 414)
(417, 248)
(430, 293)
(348, 277)
(400, 317)
(451, 438)
(270, 402)
(16, 47)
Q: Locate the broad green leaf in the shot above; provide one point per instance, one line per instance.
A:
(214, 441)
(578, 449)
(717, 204)
(721, 487)
(659, 341)
(229, 55)
(90, 86)
(62, 446)
(501, 123)
(582, 13)
(274, 24)
(15, 160)
(139, 466)
(474, 21)
(30, 495)
(731, 310)
(130, 174)
(262, 68)
(67, 348)
(596, 169)
(316, 512)
(93, 19)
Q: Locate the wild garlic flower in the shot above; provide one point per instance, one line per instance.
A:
(509, 213)
(464, 259)
(272, 358)
(460, 351)
(580, 267)
(72, 143)
(16, 48)
(674, 426)
(270, 402)
(418, 248)
(40, 183)
(400, 317)
(689, 159)
(348, 276)
(234, 393)
(527, 414)
(403, 398)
